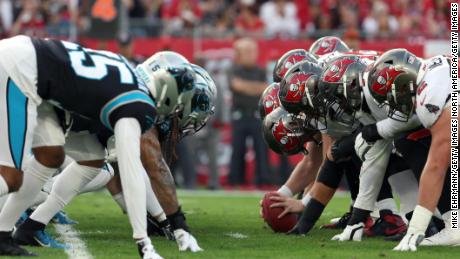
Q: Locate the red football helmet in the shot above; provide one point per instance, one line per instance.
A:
(269, 100)
(327, 45)
(288, 60)
(285, 133)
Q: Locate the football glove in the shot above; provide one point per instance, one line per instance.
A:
(186, 241)
(351, 232)
(416, 231)
(146, 249)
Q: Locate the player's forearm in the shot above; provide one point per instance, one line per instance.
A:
(158, 171)
(389, 128)
(432, 181)
(301, 176)
(127, 141)
(437, 163)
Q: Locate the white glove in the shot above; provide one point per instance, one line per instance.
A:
(147, 249)
(361, 146)
(416, 231)
(186, 241)
(351, 232)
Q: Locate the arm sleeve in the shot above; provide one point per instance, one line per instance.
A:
(389, 128)
(128, 147)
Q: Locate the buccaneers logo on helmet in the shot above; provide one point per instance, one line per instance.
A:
(385, 79)
(296, 87)
(281, 134)
(337, 69)
(326, 46)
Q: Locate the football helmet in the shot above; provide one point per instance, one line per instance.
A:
(269, 100)
(327, 45)
(169, 79)
(288, 60)
(197, 112)
(392, 81)
(298, 91)
(284, 133)
(339, 87)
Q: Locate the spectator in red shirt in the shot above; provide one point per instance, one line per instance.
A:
(181, 14)
(248, 23)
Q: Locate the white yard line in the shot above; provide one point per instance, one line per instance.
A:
(77, 247)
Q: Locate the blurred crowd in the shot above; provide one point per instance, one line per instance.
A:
(370, 19)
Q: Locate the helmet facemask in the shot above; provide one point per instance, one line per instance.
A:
(200, 107)
(400, 91)
(340, 88)
(401, 99)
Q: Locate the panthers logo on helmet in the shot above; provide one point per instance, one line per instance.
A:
(337, 69)
(385, 79)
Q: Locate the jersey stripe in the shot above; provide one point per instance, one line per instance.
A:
(120, 100)
(17, 122)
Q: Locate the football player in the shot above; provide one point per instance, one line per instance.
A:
(99, 86)
(410, 86)
(340, 89)
(298, 95)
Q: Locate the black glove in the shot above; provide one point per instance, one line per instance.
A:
(370, 133)
(310, 215)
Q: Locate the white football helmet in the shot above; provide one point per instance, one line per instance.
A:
(170, 80)
(196, 113)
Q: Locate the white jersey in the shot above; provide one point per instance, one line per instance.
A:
(433, 92)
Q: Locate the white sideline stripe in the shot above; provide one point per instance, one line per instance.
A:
(77, 247)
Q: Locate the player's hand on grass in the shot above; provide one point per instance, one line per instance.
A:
(416, 231)
(290, 205)
(351, 233)
(186, 241)
(410, 242)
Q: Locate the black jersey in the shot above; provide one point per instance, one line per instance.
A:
(97, 85)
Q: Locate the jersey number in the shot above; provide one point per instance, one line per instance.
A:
(80, 59)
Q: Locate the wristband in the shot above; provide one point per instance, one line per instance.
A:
(284, 190)
(420, 220)
(306, 199)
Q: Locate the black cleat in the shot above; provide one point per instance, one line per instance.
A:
(341, 223)
(10, 248)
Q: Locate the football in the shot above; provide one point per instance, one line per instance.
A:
(270, 215)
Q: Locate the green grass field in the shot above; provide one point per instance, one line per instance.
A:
(226, 226)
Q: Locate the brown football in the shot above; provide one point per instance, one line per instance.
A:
(270, 215)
